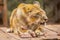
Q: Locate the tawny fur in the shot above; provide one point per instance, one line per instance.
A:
(22, 18)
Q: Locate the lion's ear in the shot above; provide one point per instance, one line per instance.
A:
(36, 3)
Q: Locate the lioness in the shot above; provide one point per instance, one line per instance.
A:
(26, 18)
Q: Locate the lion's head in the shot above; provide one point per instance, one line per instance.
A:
(34, 13)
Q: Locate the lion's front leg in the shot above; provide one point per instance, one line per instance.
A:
(39, 31)
(15, 30)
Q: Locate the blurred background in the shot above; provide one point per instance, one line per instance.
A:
(52, 8)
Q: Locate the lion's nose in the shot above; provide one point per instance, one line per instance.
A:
(46, 19)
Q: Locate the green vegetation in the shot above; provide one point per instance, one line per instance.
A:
(14, 3)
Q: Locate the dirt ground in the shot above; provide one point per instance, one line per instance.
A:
(51, 31)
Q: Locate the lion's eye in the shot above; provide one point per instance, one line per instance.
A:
(35, 16)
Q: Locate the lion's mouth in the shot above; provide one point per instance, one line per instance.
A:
(43, 23)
